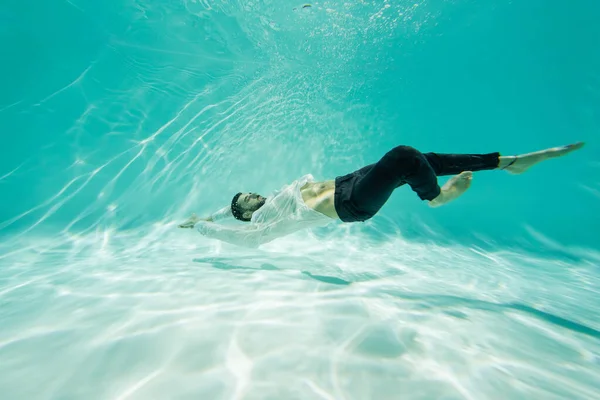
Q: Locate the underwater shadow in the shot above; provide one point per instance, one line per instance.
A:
(217, 263)
(442, 301)
(426, 301)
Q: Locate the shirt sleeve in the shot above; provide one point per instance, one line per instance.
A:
(223, 213)
(252, 235)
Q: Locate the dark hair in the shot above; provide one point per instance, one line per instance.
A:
(237, 210)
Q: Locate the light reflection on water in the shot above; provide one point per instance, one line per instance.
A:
(120, 118)
(303, 317)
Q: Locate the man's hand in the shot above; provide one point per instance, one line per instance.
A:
(193, 220)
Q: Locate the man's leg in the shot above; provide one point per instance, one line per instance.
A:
(454, 164)
(521, 163)
(462, 166)
(406, 165)
(448, 164)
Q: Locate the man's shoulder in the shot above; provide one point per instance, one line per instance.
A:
(304, 179)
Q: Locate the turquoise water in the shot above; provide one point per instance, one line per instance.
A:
(119, 118)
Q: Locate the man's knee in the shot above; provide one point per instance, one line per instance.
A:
(405, 152)
(404, 157)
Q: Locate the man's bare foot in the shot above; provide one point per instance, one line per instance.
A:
(521, 163)
(452, 189)
(190, 222)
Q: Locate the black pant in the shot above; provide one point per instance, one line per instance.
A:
(360, 195)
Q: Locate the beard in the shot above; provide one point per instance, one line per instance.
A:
(261, 202)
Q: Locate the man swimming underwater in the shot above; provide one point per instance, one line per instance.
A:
(359, 195)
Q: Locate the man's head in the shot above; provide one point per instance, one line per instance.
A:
(244, 204)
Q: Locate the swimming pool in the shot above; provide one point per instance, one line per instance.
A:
(120, 119)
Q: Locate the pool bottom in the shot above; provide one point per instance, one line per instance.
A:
(172, 315)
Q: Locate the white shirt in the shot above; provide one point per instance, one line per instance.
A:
(282, 214)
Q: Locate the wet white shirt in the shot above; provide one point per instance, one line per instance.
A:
(283, 213)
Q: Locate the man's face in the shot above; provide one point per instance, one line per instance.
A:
(251, 201)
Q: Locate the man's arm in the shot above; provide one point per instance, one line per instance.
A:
(251, 235)
(223, 213)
